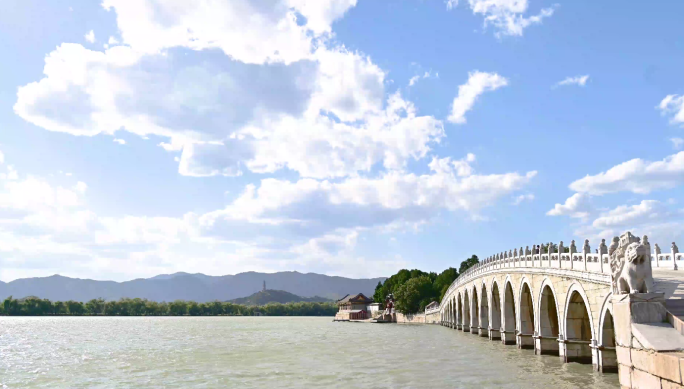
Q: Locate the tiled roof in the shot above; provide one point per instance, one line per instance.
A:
(354, 298)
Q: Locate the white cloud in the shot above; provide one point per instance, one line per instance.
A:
(283, 97)
(48, 228)
(523, 197)
(34, 193)
(462, 167)
(390, 198)
(328, 244)
(576, 206)
(81, 187)
(348, 84)
(468, 93)
(9, 174)
(625, 216)
(112, 41)
(323, 220)
(105, 92)
(90, 36)
(674, 105)
(649, 217)
(505, 15)
(247, 31)
(321, 14)
(110, 91)
(147, 230)
(578, 80)
(336, 251)
(78, 94)
(119, 141)
(677, 143)
(413, 80)
(42, 224)
(2, 158)
(636, 175)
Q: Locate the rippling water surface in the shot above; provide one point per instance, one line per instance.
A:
(267, 352)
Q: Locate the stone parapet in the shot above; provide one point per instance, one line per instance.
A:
(418, 318)
(648, 349)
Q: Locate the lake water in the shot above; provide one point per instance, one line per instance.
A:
(267, 352)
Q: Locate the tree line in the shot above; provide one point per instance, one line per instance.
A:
(34, 306)
(414, 289)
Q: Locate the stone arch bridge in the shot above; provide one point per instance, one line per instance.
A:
(557, 303)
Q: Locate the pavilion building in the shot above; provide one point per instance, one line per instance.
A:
(354, 307)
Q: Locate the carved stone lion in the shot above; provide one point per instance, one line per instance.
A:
(630, 265)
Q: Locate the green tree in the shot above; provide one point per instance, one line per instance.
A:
(378, 295)
(443, 281)
(215, 308)
(468, 263)
(194, 309)
(178, 308)
(154, 308)
(141, 307)
(111, 308)
(59, 308)
(7, 305)
(33, 306)
(137, 307)
(414, 295)
(391, 284)
(95, 306)
(75, 308)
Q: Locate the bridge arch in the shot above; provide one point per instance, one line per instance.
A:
(450, 312)
(466, 311)
(459, 308)
(484, 310)
(457, 312)
(605, 352)
(526, 315)
(495, 315)
(509, 314)
(474, 310)
(578, 326)
(576, 295)
(447, 313)
(548, 320)
(606, 328)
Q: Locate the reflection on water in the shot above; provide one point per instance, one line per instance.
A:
(258, 352)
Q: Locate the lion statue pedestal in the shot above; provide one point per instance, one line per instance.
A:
(630, 264)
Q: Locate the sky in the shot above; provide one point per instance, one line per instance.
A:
(344, 137)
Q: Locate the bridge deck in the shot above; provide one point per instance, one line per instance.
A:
(671, 282)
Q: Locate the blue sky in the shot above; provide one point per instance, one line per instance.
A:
(343, 137)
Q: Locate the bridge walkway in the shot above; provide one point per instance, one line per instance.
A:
(671, 282)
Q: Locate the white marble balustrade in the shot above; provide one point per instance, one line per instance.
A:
(584, 261)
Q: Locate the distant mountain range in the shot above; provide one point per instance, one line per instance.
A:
(192, 287)
(264, 297)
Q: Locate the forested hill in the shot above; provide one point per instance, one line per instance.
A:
(189, 287)
(277, 296)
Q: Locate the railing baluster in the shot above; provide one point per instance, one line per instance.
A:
(674, 250)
